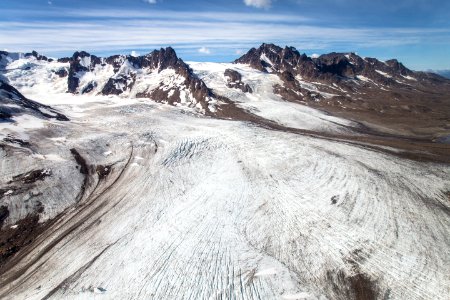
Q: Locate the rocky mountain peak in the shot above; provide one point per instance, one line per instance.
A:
(38, 56)
(270, 58)
(80, 62)
(329, 68)
(137, 75)
(333, 79)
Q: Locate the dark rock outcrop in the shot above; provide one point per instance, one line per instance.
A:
(4, 214)
(126, 68)
(38, 56)
(167, 59)
(235, 81)
(12, 103)
(61, 72)
(274, 59)
(330, 68)
(80, 62)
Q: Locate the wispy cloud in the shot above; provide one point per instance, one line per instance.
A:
(150, 1)
(167, 15)
(258, 3)
(204, 50)
(108, 31)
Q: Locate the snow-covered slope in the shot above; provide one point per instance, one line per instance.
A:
(351, 93)
(133, 199)
(383, 95)
(126, 78)
(17, 114)
(160, 76)
(273, 216)
(263, 102)
(37, 78)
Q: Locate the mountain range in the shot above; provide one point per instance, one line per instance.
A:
(276, 176)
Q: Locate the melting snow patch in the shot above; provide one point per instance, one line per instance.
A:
(14, 226)
(363, 78)
(107, 153)
(8, 193)
(383, 73)
(46, 172)
(409, 78)
(266, 59)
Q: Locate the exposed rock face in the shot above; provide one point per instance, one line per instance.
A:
(273, 59)
(235, 81)
(64, 59)
(79, 63)
(13, 103)
(330, 68)
(61, 72)
(347, 85)
(38, 56)
(130, 74)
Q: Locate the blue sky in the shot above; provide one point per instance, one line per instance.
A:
(417, 32)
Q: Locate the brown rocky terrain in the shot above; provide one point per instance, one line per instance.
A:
(386, 96)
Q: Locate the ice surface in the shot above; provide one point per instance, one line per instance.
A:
(201, 208)
(263, 102)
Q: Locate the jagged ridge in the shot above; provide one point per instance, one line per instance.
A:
(333, 67)
(127, 73)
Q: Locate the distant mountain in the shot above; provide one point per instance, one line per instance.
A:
(159, 75)
(333, 67)
(362, 89)
(357, 88)
(341, 74)
(443, 73)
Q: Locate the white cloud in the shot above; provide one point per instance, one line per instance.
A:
(315, 55)
(134, 53)
(150, 1)
(204, 50)
(238, 52)
(190, 31)
(258, 3)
